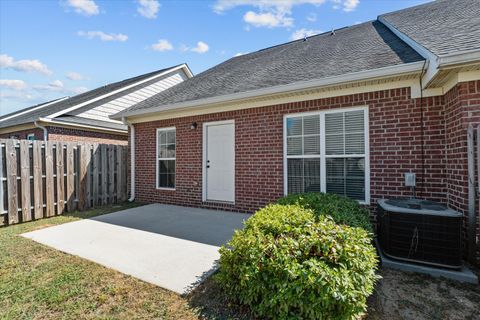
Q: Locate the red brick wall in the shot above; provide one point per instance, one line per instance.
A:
(395, 148)
(23, 134)
(462, 107)
(67, 134)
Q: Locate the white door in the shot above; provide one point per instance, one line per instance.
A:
(219, 161)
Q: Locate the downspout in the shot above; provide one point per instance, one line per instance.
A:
(132, 159)
(45, 132)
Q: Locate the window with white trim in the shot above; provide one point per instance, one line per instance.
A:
(328, 152)
(166, 158)
(31, 136)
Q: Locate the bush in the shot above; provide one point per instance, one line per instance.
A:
(288, 264)
(341, 209)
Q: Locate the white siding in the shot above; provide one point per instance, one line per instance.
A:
(103, 111)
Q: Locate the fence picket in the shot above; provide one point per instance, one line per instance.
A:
(86, 175)
(11, 160)
(37, 180)
(70, 177)
(118, 169)
(95, 158)
(82, 176)
(103, 156)
(60, 180)
(49, 179)
(25, 179)
(111, 175)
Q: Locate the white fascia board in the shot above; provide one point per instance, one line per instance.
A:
(297, 86)
(432, 59)
(184, 67)
(77, 125)
(33, 109)
(461, 57)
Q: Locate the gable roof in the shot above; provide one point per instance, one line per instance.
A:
(442, 27)
(352, 49)
(66, 107)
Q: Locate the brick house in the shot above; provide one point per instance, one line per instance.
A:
(85, 117)
(348, 111)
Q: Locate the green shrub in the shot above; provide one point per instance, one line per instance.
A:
(288, 264)
(341, 209)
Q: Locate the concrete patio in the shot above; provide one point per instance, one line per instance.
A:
(170, 246)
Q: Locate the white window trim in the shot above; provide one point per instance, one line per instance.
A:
(30, 135)
(322, 156)
(157, 159)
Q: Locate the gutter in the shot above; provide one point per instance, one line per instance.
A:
(70, 124)
(282, 89)
(45, 132)
(132, 159)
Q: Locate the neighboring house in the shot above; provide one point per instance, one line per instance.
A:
(348, 112)
(85, 117)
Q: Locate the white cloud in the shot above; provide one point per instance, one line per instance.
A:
(276, 13)
(267, 19)
(201, 47)
(75, 76)
(312, 17)
(13, 84)
(238, 54)
(302, 33)
(162, 45)
(85, 7)
(23, 65)
(350, 5)
(103, 36)
(148, 8)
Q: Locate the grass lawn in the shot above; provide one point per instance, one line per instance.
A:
(37, 282)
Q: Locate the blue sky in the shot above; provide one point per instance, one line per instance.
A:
(56, 48)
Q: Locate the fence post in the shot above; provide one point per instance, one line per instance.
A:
(471, 196)
(60, 179)
(11, 157)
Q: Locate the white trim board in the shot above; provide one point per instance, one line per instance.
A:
(390, 71)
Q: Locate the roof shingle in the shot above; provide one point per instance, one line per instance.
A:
(357, 48)
(442, 26)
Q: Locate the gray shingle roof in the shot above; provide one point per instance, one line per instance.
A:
(70, 102)
(442, 26)
(357, 48)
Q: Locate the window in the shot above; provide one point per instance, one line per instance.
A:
(328, 152)
(166, 146)
(31, 136)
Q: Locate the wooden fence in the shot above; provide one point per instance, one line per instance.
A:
(46, 178)
(473, 150)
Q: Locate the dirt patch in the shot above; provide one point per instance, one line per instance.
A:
(403, 295)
